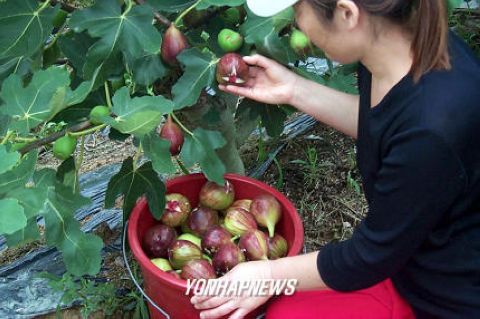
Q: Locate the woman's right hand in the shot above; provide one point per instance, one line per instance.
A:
(269, 82)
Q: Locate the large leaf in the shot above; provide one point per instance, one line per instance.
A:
(170, 5)
(81, 252)
(134, 183)
(7, 159)
(272, 116)
(26, 25)
(199, 73)
(201, 148)
(158, 151)
(20, 174)
(67, 174)
(47, 94)
(277, 48)
(131, 33)
(219, 3)
(256, 28)
(75, 46)
(16, 65)
(137, 116)
(24, 235)
(147, 69)
(12, 216)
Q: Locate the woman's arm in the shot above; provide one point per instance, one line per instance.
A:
(272, 83)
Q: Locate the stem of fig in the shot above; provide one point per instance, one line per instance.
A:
(80, 157)
(182, 167)
(89, 131)
(7, 137)
(107, 95)
(181, 124)
(184, 13)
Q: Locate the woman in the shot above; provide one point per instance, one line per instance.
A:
(417, 125)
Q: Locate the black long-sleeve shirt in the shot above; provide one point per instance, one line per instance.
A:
(418, 152)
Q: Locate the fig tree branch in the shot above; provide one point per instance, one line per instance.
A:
(160, 18)
(55, 136)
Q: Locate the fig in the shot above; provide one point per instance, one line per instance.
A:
(201, 219)
(231, 16)
(227, 257)
(254, 244)
(243, 203)
(195, 18)
(182, 251)
(64, 147)
(215, 237)
(191, 238)
(174, 273)
(267, 212)
(217, 197)
(231, 69)
(277, 247)
(229, 40)
(238, 221)
(96, 114)
(198, 269)
(299, 42)
(177, 208)
(157, 239)
(172, 133)
(162, 263)
(174, 42)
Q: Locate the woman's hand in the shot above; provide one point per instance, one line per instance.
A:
(237, 306)
(269, 82)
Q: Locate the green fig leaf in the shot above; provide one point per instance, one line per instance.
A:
(12, 216)
(158, 151)
(7, 159)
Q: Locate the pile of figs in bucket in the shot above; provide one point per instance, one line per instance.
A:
(166, 288)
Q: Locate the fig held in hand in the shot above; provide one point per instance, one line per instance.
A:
(231, 69)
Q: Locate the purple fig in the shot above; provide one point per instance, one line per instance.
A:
(238, 221)
(231, 69)
(157, 239)
(267, 212)
(215, 237)
(182, 251)
(227, 257)
(277, 247)
(162, 263)
(191, 238)
(217, 197)
(198, 269)
(172, 133)
(201, 219)
(177, 208)
(254, 244)
(174, 42)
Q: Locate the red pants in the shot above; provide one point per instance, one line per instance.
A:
(381, 301)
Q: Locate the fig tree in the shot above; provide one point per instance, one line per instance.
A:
(173, 133)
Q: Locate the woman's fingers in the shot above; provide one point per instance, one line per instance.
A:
(240, 313)
(199, 299)
(258, 60)
(211, 303)
(220, 311)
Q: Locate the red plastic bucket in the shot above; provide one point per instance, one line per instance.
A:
(167, 291)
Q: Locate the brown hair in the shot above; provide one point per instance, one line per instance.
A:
(426, 20)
